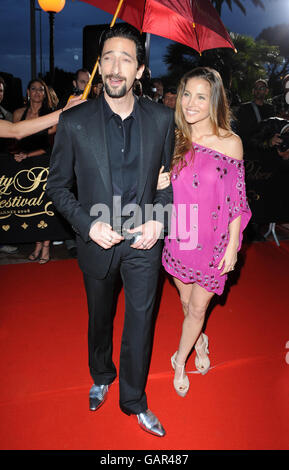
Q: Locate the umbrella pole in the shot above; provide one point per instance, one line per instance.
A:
(88, 86)
(147, 49)
(197, 39)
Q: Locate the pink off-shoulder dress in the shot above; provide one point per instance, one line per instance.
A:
(209, 193)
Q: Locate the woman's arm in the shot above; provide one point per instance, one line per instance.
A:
(21, 129)
(234, 149)
(34, 153)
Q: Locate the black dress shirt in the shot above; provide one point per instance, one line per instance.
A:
(123, 143)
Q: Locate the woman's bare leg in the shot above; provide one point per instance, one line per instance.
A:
(195, 300)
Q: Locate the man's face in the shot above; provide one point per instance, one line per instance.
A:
(97, 89)
(260, 90)
(119, 67)
(82, 80)
(1, 92)
(170, 100)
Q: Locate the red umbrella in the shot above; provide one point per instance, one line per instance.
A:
(194, 23)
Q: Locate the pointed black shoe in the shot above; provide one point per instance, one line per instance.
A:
(97, 396)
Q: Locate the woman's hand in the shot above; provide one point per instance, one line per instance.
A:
(164, 179)
(229, 260)
(73, 102)
(20, 156)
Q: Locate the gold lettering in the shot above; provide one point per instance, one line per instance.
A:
(5, 183)
(26, 181)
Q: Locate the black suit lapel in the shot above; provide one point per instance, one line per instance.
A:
(147, 130)
(97, 141)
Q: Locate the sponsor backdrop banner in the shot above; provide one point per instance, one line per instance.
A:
(267, 178)
(26, 213)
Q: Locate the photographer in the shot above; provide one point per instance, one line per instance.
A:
(271, 141)
(273, 133)
(248, 117)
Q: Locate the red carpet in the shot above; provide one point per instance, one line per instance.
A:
(242, 403)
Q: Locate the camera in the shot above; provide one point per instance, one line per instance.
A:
(77, 91)
(284, 136)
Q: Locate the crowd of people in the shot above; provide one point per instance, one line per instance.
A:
(150, 146)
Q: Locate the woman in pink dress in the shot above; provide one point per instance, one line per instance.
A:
(210, 209)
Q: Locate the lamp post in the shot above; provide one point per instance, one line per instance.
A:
(32, 38)
(51, 7)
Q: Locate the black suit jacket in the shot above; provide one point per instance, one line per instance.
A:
(80, 154)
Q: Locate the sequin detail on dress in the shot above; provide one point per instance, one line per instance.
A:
(215, 183)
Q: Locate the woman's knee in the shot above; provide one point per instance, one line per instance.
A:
(196, 312)
(185, 305)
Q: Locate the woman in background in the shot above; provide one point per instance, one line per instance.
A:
(38, 104)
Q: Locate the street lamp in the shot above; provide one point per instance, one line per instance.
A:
(51, 7)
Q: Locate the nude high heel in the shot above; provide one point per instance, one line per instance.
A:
(181, 385)
(203, 363)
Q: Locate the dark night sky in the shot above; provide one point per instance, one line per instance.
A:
(15, 33)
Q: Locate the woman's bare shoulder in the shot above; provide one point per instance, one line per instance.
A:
(232, 145)
(18, 114)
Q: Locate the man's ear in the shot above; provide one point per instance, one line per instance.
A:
(140, 72)
(74, 83)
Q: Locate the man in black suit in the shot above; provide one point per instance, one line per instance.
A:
(114, 148)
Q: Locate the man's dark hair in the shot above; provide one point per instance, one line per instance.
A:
(77, 73)
(2, 81)
(171, 90)
(126, 31)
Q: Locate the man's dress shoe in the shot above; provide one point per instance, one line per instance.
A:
(97, 396)
(150, 423)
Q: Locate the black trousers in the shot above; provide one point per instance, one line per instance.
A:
(139, 271)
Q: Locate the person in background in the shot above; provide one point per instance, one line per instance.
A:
(5, 116)
(53, 97)
(79, 82)
(38, 104)
(281, 102)
(97, 88)
(248, 117)
(170, 97)
(252, 112)
(158, 90)
(21, 129)
(207, 175)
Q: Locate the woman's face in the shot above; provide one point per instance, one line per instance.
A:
(36, 92)
(195, 101)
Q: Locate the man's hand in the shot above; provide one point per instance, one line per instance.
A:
(151, 231)
(284, 155)
(102, 234)
(275, 140)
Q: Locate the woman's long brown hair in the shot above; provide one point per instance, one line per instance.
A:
(219, 113)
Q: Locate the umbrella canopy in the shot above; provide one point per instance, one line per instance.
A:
(194, 23)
